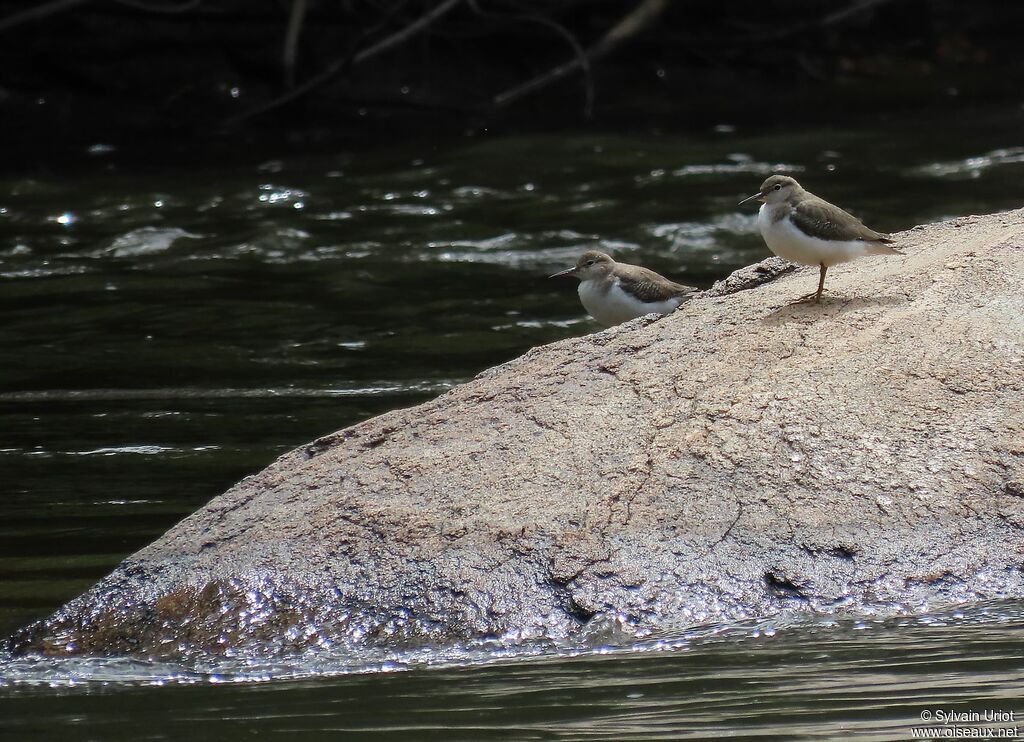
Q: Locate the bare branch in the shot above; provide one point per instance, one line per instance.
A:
(629, 25)
(291, 40)
(56, 6)
(577, 48)
(851, 9)
(160, 7)
(418, 25)
(830, 19)
(40, 11)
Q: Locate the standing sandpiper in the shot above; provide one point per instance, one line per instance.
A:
(614, 293)
(802, 228)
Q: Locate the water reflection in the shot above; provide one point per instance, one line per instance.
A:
(789, 636)
(806, 680)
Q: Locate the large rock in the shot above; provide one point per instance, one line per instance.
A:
(738, 458)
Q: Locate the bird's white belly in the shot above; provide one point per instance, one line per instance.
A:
(615, 306)
(787, 241)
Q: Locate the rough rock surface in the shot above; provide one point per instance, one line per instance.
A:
(737, 458)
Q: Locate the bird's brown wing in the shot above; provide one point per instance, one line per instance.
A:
(648, 286)
(815, 216)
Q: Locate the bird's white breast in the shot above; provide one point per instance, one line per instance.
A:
(787, 241)
(613, 306)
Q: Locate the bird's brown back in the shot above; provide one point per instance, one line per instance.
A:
(815, 215)
(648, 286)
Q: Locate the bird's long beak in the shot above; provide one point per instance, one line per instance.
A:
(566, 272)
(757, 196)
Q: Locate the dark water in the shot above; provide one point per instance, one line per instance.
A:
(817, 680)
(168, 329)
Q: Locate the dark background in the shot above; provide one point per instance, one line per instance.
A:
(76, 72)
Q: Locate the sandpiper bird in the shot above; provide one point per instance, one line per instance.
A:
(802, 228)
(616, 292)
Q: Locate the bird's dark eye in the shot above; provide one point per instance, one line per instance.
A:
(778, 186)
(590, 262)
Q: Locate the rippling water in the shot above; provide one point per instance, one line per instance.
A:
(808, 680)
(168, 329)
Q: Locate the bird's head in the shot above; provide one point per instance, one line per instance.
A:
(774, 190)
(592, 264)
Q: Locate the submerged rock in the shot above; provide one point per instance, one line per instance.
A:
(735, 459)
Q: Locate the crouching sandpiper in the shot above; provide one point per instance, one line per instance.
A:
(802, 228)
(613, 293)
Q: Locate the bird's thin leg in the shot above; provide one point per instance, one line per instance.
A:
(821, 283)
(815, 296)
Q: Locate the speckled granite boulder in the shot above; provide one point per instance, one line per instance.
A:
(738, 458)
